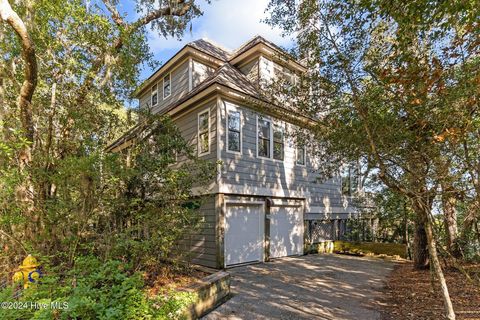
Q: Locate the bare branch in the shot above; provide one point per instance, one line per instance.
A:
(114, 12)
(178, 9)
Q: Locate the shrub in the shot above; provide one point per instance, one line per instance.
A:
(94, 290)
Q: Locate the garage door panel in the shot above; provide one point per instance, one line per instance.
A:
(286, 231)
(243, 234)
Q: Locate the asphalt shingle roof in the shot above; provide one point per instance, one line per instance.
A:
(210, 48)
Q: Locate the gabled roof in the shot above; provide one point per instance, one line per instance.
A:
(217, 54)
(252, 43)
(228, 76)
(258, 40)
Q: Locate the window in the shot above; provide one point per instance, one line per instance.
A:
(301, 155)
(270, 139)
(278, 142)
(264, 140)
(167, 88)
(204, 132)
(154, 95)
(234, 130)
(350, 179)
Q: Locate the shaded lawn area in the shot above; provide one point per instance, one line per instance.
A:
(409, 295)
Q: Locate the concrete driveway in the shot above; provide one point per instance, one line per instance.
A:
(306, 287)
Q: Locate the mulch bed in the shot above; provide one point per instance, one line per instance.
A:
(167, 277)
(409, 295)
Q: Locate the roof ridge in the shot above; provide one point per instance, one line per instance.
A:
(211, 48)
(246, 43)
(217, 44)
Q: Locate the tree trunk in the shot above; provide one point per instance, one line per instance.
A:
(406, 240)
(437, 269)
(450, 220)
(30, 73)
(25, 191)
(420, 243)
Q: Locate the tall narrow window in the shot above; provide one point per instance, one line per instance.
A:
(264, 140)
(301, 155)
(234, 135)
(154, 95)
(204, 132)
(167, 88)
(278, 142)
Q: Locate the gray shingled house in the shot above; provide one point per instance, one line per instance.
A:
(266, 196)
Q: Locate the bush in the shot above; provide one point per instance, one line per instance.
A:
(94, 290)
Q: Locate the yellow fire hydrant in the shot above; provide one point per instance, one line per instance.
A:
(29, 272)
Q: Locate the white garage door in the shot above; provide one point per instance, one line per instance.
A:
(244, 233)
(286, 231)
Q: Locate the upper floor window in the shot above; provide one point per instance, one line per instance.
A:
(204, 132)
(154, 95)
(270, 139)
(278, 142)
(301, 155)
(167, 86)
(350, 179)
(234, 130)
(263, 137)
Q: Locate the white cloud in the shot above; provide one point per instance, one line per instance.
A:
(229, 23)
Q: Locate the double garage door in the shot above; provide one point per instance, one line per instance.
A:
(245, 232)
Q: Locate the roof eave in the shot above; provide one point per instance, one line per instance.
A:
(270, 51)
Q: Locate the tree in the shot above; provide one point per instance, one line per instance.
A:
(89, 56)
(382, 83)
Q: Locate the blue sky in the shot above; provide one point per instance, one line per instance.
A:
(228, 23)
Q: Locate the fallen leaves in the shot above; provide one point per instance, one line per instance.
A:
(409, 295)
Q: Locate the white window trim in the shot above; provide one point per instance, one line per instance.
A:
(198, 132)
(170, 84)
(230, 107)
(190, 74)
(152, 94)
(304, 156)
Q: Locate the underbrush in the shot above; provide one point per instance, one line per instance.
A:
(92, 289)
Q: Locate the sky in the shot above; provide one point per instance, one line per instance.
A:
(229, 23)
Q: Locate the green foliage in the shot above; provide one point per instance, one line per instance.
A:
(67, 197)
(396, 86)
(94, 289)
(81, 199)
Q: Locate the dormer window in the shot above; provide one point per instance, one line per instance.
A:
(154, 95)
(167, 86)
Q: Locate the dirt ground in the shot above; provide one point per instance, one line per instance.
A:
(409, 295)
(168, 277)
